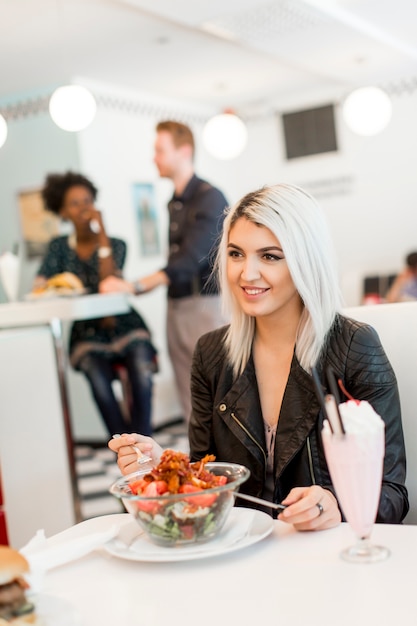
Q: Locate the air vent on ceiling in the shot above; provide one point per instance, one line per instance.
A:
(311, 131)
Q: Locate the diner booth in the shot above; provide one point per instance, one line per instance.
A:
(396, 325)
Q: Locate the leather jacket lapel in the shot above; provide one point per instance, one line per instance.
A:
(240, 409)
(298, 416)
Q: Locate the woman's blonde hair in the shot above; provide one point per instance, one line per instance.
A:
(297, 221)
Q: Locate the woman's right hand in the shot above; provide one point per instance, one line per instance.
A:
(127, 457)
(96, 221)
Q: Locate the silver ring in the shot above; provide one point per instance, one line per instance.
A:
(320, 508)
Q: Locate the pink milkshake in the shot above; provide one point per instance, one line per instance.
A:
(355, 462)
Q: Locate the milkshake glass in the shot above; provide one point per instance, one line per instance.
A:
(355, 461)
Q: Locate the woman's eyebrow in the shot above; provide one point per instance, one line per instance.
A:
(266, 249)
(269, 248)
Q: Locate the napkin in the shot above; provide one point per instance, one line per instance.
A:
(44, 554)
(9, 273)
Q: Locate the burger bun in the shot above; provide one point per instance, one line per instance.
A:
(65, 280)
(12, 565)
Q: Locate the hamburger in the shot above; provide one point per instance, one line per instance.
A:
(63, 282)
(15, 609)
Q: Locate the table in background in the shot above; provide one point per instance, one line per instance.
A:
(36, 448)
(288, 578)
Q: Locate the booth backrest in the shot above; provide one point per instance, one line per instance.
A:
(396, 325)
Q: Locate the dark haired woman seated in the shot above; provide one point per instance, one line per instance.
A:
(98, 345)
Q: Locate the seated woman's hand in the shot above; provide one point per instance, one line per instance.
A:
(113, 284)
(127, 456)
(311, 508)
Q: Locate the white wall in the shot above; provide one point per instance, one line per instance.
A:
(34, 146)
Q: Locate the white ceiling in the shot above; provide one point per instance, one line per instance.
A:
(221, 53)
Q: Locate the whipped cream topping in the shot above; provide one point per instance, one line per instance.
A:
(360, 417)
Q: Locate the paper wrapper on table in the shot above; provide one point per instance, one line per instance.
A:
(44, 554)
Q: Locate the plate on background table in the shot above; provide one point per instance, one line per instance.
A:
(243, 528)
(49, 294)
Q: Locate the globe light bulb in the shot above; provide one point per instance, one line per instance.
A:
(72, 107)
(367, 111)
(225, 136)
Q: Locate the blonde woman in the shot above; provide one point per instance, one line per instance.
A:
(253, 395)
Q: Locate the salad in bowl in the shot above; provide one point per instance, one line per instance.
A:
(179, 502)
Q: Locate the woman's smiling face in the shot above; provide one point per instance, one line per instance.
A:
(257, 272)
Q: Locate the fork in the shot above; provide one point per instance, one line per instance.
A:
(266, 503)
(142, 458)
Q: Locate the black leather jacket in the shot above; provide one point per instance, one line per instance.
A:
(227, 421)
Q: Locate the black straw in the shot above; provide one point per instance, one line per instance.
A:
(320, 395)
(331, 379)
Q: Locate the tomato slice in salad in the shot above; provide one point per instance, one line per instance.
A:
(203, 499)
(187, 531)
(151, 490)
(155, 488)
(137, 486)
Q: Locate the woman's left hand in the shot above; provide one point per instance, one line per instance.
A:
(311, 508)
(113, 284)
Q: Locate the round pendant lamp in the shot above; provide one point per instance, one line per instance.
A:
(225, 136)
(72, 107)
(3, 131)
(367, 111)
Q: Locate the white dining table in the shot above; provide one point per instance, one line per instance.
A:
(288, 577)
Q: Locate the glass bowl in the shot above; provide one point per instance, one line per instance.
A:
(183, 518)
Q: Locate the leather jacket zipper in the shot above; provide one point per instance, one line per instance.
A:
(310, 456)
(310, 461)
(250, 436)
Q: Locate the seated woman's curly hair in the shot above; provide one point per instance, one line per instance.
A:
(57, 185)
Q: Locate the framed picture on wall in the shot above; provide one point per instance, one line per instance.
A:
(39, 226)
(146, 217)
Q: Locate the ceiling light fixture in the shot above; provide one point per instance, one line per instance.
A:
(225, 136)
(3, 131)
(367, 111)
(72, 107)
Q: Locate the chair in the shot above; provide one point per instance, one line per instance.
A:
(396, 325)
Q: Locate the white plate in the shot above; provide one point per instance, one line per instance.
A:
(243, 528)
(50, 294)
